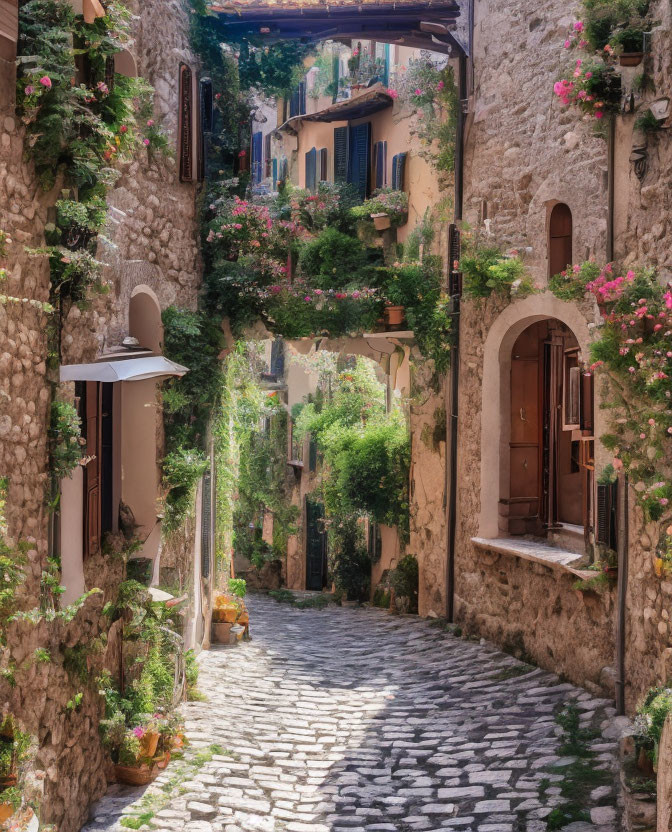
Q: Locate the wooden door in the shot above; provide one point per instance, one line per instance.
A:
(92, 479)
(521, 509)
(559, 239)
(316, 546)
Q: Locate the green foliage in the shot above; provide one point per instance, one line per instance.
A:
(12, 574)
(648, 122)
(350, 563)
(42, 655)
(571, 284)
(334, 260)
(614, 22)
(651, 717)
(405, 580)
(65, 439)
(237, 587)
(486, 270)
(271, 68)
(383, 201)
(182, 469)
(191, 666)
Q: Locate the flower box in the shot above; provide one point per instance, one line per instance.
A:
(630, 58)
(381, 221)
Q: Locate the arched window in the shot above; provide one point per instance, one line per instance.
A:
(559, 239)
(144, 319)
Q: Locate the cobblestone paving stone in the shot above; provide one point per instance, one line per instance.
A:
(352, 720)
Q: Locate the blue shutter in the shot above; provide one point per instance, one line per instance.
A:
(381, 163)
(340, 154)
(359, 158)
(275, 173)
(257, 157)
(311, 170)
(386, 68)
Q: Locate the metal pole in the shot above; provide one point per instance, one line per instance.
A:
(621, 591)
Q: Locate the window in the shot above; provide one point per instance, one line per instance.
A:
(359, 158)
(311, 170)
(324, 169)
(341, 154)
(267, 156)
(257, 157)
(559, 239)
(297, 103)
(380, 163)
(398, 171)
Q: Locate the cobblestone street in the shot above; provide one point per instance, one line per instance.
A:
(352, 719)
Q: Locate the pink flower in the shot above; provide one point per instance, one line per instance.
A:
(589, 74)
(101, 86)
(631, 369)
(440, 85)
(418, 91)
(150, 122)
(652, 422)
(599, 114)
(123, 129)
(317, 292)
(568, 43)
(29, 90)
(45, 80)
(393, 93)
(308, 299)
(139, 731)
(578, 26)
(145, 142)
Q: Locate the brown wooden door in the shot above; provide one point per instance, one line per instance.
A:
(92, 471)
(522, 506)
(559, 239)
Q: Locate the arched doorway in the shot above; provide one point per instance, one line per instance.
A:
(559, 239)
(144, 319)
(550, 414)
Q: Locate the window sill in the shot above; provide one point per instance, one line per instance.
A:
(536, 552)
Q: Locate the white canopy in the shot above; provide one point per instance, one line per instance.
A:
(130, 369)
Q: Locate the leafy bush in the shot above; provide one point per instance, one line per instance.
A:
(349, 560)
(384, 201)
(650, 720)
(405, 580)
(486, 270)
(182, 470)
(237, 587)
(65, 439)
(572, 283)
(334, 260)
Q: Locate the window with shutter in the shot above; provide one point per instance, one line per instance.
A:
(185, 152)
(274, 169)
(206, 102)
(92, 432)
(380, 156)
(311, 170)
(359, 161)
(335, 74)
(257, 157)
(312, 455)
(398, 170)
(587, 420)
(277, 367)
(324, 169)
(206, 523)
(559, 239)
(571, 405)
(606, 515)
(267, 156)
(340, 154)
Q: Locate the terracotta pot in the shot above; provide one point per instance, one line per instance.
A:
(163, 760)
(381, 221)
(225, 615)
(135, 775)
(394, 315)
(149, 743)
(630, 58)
(244, 618)
(6, 811)
(221, 632)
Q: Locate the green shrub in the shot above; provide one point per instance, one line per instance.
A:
(650, 720)
(350, 562)
(405, 579)
(334, 260)
(237, 587)
(65, 439)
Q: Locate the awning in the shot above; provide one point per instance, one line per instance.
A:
(130, 369)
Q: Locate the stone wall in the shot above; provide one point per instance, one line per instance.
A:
(665, 779)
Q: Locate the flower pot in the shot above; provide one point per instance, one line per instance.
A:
(381, 221)
(163, 760)
(221, 632)
(630, 58)
(135, 775)
(394, 315)
(6, 811)
(225, 615)
(244, 618)
(148, 743)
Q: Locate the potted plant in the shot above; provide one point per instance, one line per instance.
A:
(133, 768)
(628, 44)
(381, 221)
(403, 288)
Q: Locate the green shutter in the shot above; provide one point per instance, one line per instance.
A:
(311, 170)
(340, 154)
(359, 161)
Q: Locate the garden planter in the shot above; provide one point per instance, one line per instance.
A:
(381, 221)
(149, 743)
(221, 632)
(630, 58)
(6, 811)
(135, 775)
(225, 615)
(394, 315)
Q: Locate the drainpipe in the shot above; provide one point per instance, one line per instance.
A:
(611, 150)
(451, 420)
(621, 591)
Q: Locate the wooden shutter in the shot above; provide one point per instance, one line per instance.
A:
(341, 154)
(606, 515)
(559, 239)
(380, 151)
(186, 153)
(572, 393)
(206, 102)
(359, 161)
(398, 170)
(587, 404)
(206, 524)
(311, 170)
(257, 156)
(324, 165)
(92, 471)
(9, 29)
(454, 274)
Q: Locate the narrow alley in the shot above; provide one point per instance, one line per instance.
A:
(352, 719)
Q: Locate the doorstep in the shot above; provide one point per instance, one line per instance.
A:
(535, 551)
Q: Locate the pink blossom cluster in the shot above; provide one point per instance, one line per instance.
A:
(575, 38)
(608, 288)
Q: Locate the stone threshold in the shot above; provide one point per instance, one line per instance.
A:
(535, 551)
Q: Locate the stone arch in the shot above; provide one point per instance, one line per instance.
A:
(144, 318)
(496, 393)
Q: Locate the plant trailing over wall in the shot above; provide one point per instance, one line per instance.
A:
(633, 348)
(650, 720)
(405, 579)
(65, 439)
(486, 270)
